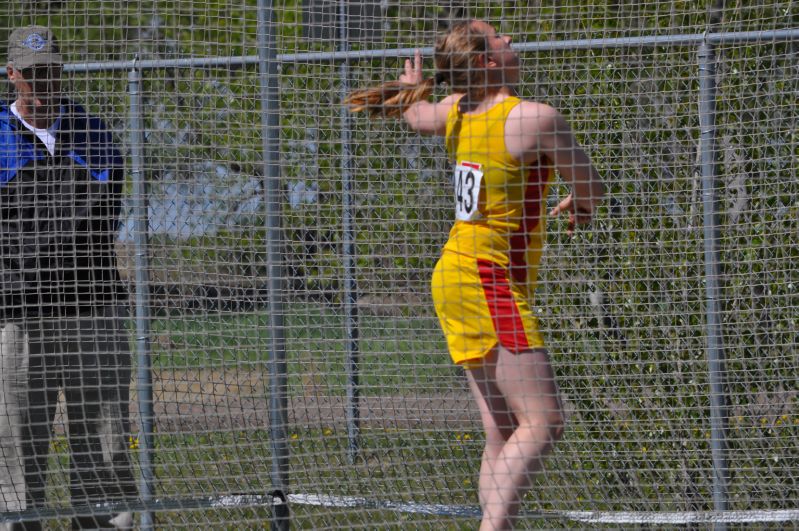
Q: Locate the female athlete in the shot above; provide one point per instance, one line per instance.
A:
(504, 151)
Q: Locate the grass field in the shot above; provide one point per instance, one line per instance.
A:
(399, 355)
(619, 454)
(394, 352)
(391, 467)
(435, 467)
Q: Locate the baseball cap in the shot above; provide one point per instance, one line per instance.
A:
(33, 45)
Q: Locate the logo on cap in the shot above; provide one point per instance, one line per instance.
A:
(35, 42)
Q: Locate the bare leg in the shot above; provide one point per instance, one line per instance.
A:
(498, 423)
(522, 416)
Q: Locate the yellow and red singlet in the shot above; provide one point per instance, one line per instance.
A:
(484, 283)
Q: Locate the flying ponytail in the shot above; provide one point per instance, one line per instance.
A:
(391, 99)
(455, 57)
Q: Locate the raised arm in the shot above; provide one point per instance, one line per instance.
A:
(430, 118)
(407, 98)
(424, 117)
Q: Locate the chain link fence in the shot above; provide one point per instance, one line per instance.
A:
(285, 333)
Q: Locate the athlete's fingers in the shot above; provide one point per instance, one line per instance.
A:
(555, 211)
(563, 206)
(417, 63)
(407, 76)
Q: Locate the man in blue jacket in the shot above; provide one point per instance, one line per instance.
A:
(62, 303)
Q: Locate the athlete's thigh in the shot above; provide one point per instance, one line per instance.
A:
(498, 420)
(527, 382)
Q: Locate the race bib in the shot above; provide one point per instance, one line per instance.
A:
(467, 181)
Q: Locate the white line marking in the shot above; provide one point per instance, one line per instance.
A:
(605, 517)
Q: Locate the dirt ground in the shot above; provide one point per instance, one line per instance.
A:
(196, 401)
(208, 399)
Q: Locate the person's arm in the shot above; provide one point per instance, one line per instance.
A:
(558, 143)
(546, 132)
(424, 117)
(430, 118)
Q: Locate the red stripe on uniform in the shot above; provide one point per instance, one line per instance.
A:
(504, 313)
(531, 217)
(472, 165)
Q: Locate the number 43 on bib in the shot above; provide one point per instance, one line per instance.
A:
(467, 181)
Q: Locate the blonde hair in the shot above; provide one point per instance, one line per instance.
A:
(455, 57)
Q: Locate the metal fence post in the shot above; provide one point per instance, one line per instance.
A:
(710, 202)
(348, 223)
(278, 379)
(144, 381)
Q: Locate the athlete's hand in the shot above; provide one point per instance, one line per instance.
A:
(413, 72)
(578, 215)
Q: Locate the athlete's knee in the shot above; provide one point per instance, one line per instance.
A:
(549, 426)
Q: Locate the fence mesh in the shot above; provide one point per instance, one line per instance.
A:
(622, 304)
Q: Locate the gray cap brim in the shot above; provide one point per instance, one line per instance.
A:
(37, 59)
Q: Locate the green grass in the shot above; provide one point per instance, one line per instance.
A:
(650, 451)
(431, 467)
(435, 467)
(393, 352)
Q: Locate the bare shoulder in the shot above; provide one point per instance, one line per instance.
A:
(530, 117)
(526, 128)
(450, 100)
